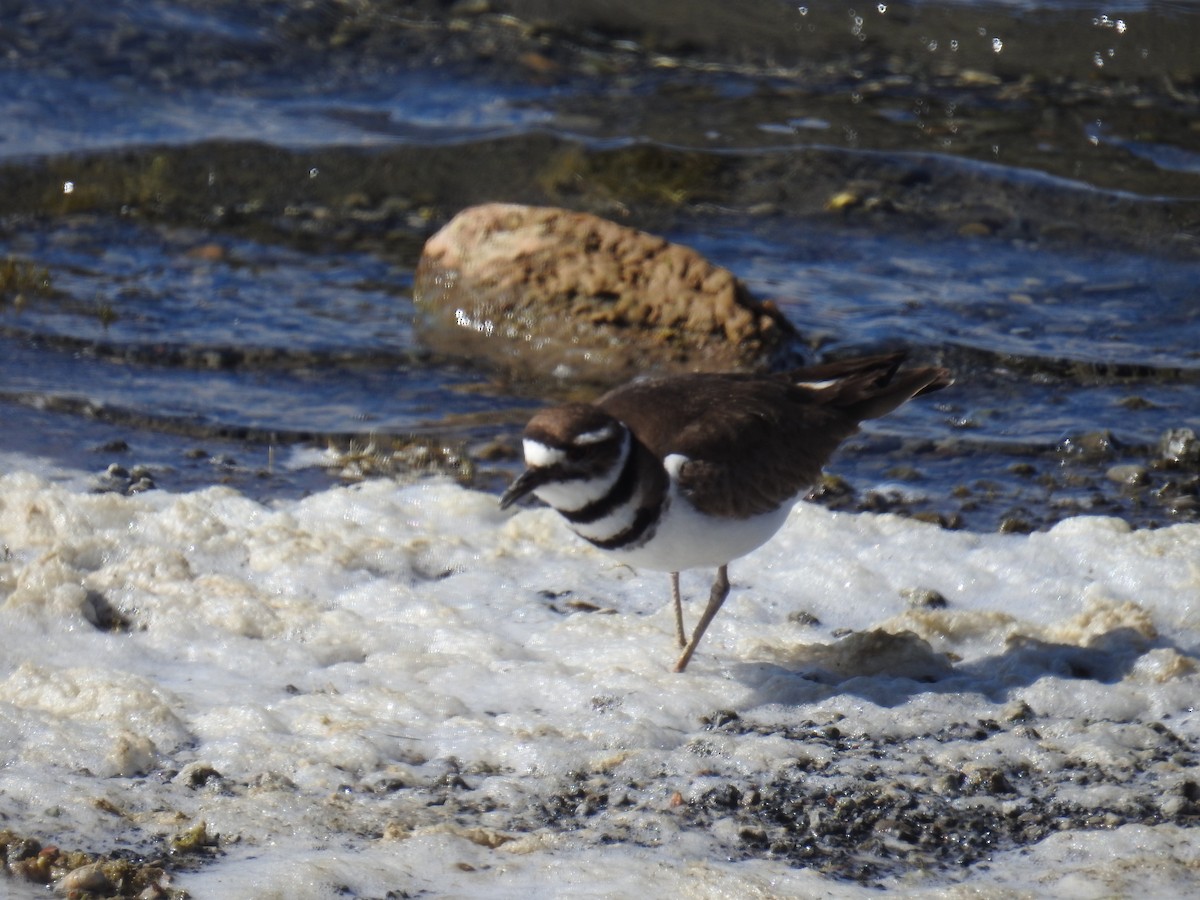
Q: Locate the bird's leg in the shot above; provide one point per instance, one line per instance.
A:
(720, 590)
(678, 610)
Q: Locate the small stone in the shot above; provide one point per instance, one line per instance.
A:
(977, 78)
(1091, 447)
(1015, 525)
(193, 840)
(932, 517)
(197, 774)
(842, 200)
(538, 63)
(1018, 711)
(923, 598)
(1136, 403)
(986, 780)
(97, 609)
(1173, 805)
(1180, 447)
(720, 718)
(833, 486)
(803, 618)
(90, 879)
(1130, 474)
(207, 253)
(975, 229)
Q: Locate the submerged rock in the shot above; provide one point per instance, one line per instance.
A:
(541, 291)
(1180, 447)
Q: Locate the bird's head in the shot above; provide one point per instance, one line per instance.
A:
(567, 448)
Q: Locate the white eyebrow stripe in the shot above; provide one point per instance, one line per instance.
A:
(594, 437)
(538, 454)
(817, 385)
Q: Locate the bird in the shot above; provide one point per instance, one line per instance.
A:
(696, 470)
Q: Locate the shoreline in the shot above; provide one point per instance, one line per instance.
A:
(871, 740)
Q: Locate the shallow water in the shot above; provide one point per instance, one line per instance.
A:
(214, 212)
(229, 229)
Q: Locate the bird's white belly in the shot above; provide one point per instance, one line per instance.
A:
(685, 539)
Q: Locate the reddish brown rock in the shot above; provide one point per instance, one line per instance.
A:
(550, 292)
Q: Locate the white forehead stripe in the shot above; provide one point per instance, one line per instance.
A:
(594, 437)
(538, 454)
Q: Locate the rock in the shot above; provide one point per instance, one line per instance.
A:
(1093, 446)
(540, 291)
(1018, 711)
(1129, 474)
(1180, 447)
(89, 879)
(871, 653)
(923, 598)
(1015, 525)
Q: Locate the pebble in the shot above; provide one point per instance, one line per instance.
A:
(90, 879)
(1092, 446)
(1130, 474)
(1181, 447)
(923, 598)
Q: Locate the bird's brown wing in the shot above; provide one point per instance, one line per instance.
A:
(751, 444)
(755, 442)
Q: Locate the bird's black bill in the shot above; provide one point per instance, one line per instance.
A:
(527, 482)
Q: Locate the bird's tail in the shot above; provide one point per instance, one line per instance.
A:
(870, 386)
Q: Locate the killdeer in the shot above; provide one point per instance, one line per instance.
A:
(697, 470)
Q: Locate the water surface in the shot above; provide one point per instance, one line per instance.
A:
(228, 203)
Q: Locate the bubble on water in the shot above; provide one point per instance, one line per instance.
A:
(1117, 25)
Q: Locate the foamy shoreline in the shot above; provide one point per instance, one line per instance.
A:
(400, 688)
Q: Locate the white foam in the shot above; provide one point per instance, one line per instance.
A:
(341, 659)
